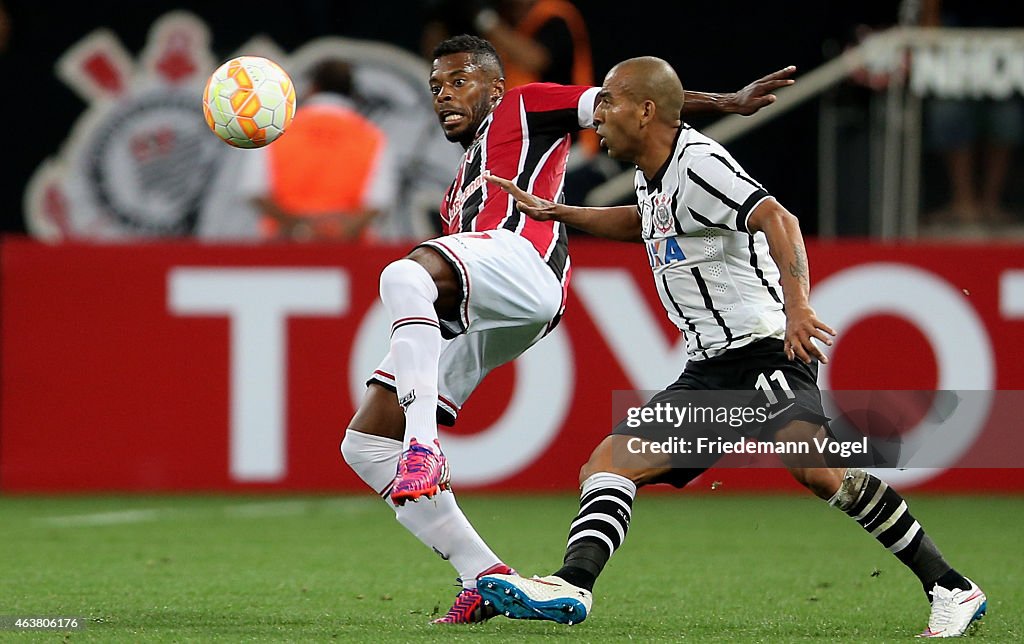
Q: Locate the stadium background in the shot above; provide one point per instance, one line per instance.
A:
(100, 375)
(170, 410)
(716, 47)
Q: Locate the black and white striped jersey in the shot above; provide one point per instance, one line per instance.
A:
(717, 282)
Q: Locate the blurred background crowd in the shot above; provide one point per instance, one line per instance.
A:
(915, 136)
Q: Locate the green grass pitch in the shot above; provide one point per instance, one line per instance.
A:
(699, 567)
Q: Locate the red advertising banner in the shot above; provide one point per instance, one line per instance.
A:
(186, 367)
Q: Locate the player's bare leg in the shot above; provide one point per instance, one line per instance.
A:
(810, 470)
(957, 602)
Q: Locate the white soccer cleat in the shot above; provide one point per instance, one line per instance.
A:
(953, 611)
(550, 598)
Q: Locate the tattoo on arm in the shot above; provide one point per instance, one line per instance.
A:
(798, 266)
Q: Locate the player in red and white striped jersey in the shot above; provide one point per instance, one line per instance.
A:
(526, 136)
(481, 294)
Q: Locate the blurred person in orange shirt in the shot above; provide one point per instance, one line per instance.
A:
(331, 174)
(540, 41)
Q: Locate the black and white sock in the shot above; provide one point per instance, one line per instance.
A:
(881, 511)
(606, 505)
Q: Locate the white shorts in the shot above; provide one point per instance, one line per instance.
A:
(510, 298)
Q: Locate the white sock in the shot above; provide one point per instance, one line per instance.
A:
(608, 480)
(408, 293)
(439, 522)
(373, 458)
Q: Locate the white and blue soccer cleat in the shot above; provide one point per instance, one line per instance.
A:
(550, 598)
(953, 611)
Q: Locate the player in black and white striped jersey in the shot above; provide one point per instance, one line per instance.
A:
(715, 239)
(717, 281)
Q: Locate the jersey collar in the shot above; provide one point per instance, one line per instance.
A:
(655, 182)
(486, 122)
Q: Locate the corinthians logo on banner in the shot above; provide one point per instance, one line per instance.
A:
(140, 161)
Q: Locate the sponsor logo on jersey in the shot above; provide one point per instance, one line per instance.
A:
(460, 199)
(664, 251)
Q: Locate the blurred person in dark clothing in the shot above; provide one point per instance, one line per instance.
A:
(976, 136)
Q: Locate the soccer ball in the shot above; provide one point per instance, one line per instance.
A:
(249, 102)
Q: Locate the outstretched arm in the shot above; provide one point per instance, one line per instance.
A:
(746, 101)
(786, 245)
(621, 223)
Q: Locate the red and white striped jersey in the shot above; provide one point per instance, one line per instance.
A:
(525, 139)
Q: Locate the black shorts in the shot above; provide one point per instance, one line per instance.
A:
(756, 375)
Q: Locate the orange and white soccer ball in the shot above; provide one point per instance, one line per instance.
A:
(249, 102)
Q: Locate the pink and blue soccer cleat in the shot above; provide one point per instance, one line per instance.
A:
(422, 471)
(549, 598)
(469, 606)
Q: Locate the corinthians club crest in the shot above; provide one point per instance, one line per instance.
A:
(662, 215)
(139, 160)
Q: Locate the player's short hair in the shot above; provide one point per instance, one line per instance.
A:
(333, 75)
(482, 51)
